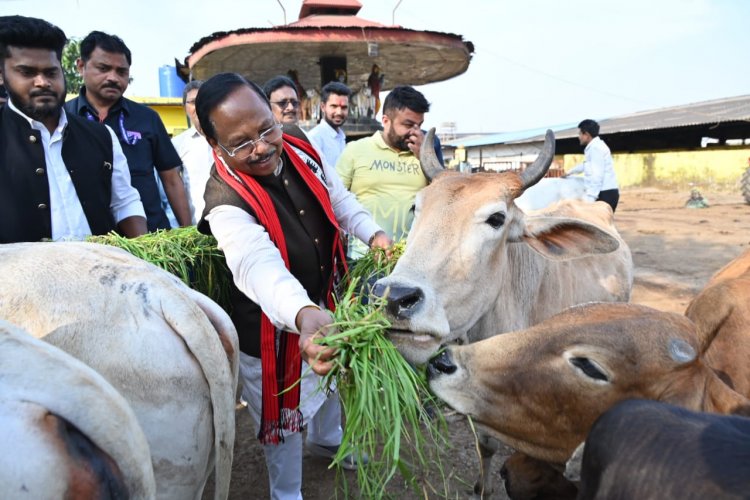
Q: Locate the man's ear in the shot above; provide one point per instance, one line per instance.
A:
(79, 66)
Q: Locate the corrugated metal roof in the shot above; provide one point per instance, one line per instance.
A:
(505, 137)
(729, 109)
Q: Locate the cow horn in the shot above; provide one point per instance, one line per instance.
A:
(431, 167)
(534, 172)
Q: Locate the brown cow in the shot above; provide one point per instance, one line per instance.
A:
(721, 312)
(540, 389)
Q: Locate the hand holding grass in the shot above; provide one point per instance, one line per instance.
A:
(313, 322)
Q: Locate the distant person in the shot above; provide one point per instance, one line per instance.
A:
(598, 172)
(285, 103)
(383, 170)
(328, 136)
(61, 177)
(105, 66)
(195, 152)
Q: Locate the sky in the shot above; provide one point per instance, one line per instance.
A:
(537, 63)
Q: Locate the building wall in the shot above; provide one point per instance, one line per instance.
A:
(717, 167)
(714, 167)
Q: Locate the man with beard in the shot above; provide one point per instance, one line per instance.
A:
(61, 177)
(105, 66)
(383, 170)
(328, 137)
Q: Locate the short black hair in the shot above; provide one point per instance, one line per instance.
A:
(278, 82)
(191, 85)
(405, 96)
(214, 91)
(590, 127)
(337, 88)
(108, 43)
(30, 32)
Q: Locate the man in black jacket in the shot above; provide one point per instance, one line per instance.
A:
(61, 177)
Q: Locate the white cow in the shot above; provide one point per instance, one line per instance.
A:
(65, 432)
(169, 350)
(475, 265)
(550, 190)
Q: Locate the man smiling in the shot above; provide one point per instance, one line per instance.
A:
(275, 210)
(61, 177)
(328, 136)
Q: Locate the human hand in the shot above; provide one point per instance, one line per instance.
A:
(414, 141)
(383, 241)
(313, 322)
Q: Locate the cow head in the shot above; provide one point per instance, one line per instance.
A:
(461, 247)
(539, 390)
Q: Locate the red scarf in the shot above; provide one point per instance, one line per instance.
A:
(281, 411)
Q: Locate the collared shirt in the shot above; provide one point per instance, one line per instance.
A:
(146, 145)
(197, 158)
(328, 141)
(256, 264)
(384, 181)
(598, 169)
(67, 217)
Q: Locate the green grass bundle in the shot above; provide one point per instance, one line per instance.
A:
(188, 254)
(383, 399)
(374, 263)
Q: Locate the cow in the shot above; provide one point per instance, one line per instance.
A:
(651, 450)
(475, 265)
(722, 312)
(65, 432)
(549, 191)
(540, 389)
(169, 350)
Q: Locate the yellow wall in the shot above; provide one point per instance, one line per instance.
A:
(170, 110)
(718, 168)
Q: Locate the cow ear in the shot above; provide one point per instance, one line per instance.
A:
(573, 466)
(564, 238)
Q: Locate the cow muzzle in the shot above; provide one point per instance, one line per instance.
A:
(441, 364)
(402, 302)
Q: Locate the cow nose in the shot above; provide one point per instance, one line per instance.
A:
(441, 363)
(402, 301)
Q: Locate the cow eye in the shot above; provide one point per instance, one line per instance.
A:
(589, 368)
(496, 220)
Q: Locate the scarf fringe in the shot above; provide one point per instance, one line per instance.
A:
(271, 431)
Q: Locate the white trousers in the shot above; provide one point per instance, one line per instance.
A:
(322, 417)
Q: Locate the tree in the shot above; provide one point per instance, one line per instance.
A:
(70, 54)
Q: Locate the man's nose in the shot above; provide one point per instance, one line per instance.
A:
(41, 81)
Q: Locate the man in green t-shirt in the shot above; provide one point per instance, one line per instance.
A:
(383, 170)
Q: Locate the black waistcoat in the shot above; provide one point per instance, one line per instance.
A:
(309, 240)
(24, 187)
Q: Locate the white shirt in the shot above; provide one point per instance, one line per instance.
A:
(197, 159)
(597, 167)
(328, 141)
(67, 217)
(256, 264)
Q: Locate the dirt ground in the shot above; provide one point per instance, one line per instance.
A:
(675, 251)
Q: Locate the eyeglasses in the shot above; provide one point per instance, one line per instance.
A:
(286, 102)
(246, 149)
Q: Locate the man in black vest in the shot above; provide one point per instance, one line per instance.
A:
(61, 177)
(275, 210)
(105, 66)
